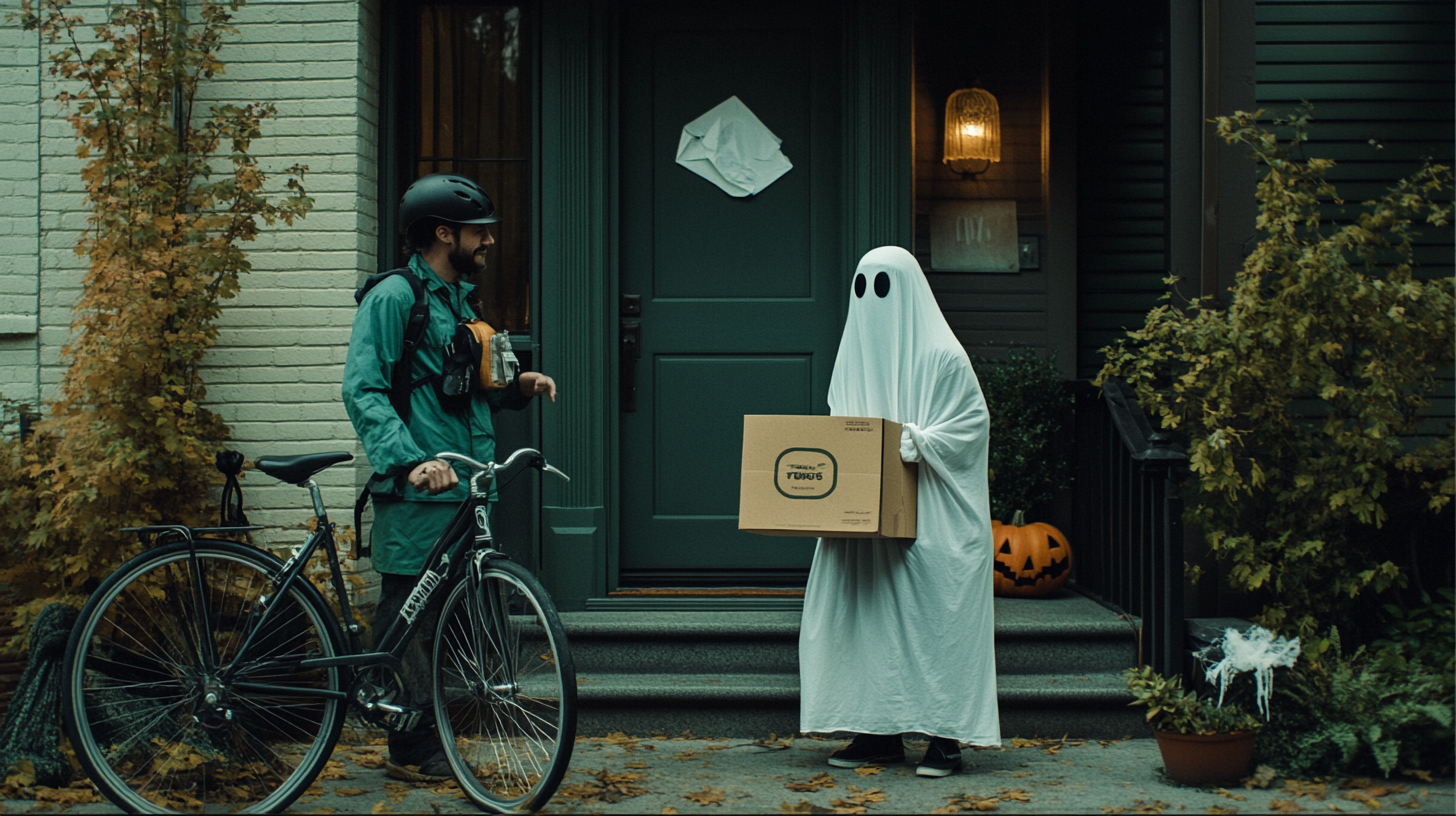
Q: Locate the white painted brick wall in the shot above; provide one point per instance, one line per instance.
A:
(275, 374)
(19, 213)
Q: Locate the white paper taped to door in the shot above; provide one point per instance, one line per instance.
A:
(730, 147)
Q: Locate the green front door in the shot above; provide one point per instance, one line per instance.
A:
(740, 298)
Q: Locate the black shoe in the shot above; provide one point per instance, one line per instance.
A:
(942, 758)
(433, 769)
(416, 756)
(869, 749)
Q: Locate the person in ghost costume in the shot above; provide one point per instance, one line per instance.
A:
(898, 635)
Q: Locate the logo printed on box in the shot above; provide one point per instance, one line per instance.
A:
(806, 473)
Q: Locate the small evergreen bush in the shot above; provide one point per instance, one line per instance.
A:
(1029, 409)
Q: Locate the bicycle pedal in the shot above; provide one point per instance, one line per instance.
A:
(405, 719)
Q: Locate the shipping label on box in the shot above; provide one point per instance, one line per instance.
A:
(838, 477)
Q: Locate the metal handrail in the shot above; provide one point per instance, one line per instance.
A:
(1130, 519)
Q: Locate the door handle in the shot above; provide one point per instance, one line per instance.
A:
(630, 351)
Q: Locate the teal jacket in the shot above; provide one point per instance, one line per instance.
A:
(393, 447)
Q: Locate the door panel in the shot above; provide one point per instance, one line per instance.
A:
(740, 297)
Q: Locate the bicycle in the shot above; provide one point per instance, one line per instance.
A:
(208, 675)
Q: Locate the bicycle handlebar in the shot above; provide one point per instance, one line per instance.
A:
(535, 460)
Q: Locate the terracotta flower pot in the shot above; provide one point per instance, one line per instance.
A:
(1202, 760)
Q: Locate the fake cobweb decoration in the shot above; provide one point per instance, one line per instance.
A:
(1258, 651)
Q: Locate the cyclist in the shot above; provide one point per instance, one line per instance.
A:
(445, 219)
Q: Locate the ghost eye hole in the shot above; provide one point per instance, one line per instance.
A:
(859, 285)
(882, 284)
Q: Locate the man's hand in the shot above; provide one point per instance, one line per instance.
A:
(435, 476)
(534, 382)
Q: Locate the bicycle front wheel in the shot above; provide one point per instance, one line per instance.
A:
(505, 689)
(156, 719)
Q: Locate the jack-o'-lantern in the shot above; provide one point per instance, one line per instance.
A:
(1032, 560)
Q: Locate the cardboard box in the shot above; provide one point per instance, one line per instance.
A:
(839, 477)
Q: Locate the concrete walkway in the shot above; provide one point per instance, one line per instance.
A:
(621, 774)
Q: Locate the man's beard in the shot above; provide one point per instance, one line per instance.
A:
(465, 264)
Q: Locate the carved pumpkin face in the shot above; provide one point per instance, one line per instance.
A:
(1031, 560)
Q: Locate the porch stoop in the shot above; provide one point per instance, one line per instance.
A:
(736, 674)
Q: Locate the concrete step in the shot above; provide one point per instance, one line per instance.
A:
(1032, 637)
(727, 673)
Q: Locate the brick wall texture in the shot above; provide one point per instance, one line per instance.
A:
(274, 375)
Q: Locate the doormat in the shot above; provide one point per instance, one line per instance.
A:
(711, 592)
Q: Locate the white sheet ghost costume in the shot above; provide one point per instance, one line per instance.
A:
(898, 636)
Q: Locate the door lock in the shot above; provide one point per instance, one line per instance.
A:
(631, 350)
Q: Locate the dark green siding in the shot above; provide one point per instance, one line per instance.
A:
(1122, 173)
(1373, 71)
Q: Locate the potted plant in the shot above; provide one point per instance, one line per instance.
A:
(1205, 742)
(1028, 404)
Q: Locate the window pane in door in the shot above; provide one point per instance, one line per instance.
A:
(474, 97)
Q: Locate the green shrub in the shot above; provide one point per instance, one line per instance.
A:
(1304, 402)
(1357, 715)
(1029, 409)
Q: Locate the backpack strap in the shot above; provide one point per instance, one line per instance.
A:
(362, 548)
(401, 384)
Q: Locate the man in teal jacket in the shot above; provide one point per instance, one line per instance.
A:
(445, 219)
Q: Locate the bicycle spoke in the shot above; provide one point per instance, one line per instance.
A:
(156, 729)
(501, 696)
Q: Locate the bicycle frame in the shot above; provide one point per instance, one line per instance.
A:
(467, 532)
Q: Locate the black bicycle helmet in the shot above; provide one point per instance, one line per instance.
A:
(447, 197)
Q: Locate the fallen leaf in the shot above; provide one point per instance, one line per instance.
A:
(1217, 809)
(1363, 798)
(396, 791)
(1009, 795)
(638, 764)
(1019, 775)
(1262, 777)
(605, 787)
(685, 755)
(707, 796)
(864, 797)
(1285, 806)
(669, 809)
(347, 792)
(868, 770)
(1314, 790)
(1424, 776)
(380, 807)
(1227, 795)
(816, 782)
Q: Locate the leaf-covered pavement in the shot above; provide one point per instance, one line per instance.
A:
(688, 774)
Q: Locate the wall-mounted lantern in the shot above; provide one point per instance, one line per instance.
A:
(972, 130)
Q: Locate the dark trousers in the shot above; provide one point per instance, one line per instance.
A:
(411, 748)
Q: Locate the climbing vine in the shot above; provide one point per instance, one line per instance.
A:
(173, 195)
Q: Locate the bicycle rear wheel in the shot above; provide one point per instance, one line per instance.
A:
(505, 689)
(152, 720)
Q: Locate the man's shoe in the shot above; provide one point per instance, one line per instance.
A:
(869, 749)
(416, 756)
(434, 769)
(942, 758)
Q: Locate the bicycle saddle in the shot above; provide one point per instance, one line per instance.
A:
(298, 469)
